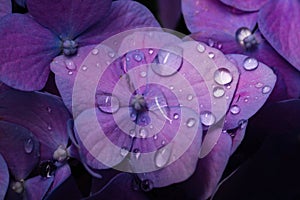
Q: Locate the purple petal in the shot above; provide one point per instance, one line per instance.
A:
(255, 85)
(169, 17)
(278, 22)
(19, 148)
(120, 187)
(5, 7)
(212, 14)
(126, 15)
(26, 52)
(68, 18)
(209, 170)
(43, 114)
(37, 187)
(4, 174)
(238, 136)
(252, 5)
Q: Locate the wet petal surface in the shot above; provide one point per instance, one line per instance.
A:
(245, 5)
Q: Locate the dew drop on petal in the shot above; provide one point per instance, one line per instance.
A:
(210, 42)
(137, 153)
(49, 109)
(190, 122)
(207, 118)
(137, 57)
(218, 92)
(258, 85)
(150, 51)
(190, 97)
(211, 55)
(162, 156)
(84, 68)
(242, 123)
(250, 64)
(111, 54)
(49, 127)
(155, 137)
(176, 116)
(28, 145)
(222, 76)
(132, 133)
(235, 109)
(124, 151)
(108, 103)
(70, 72)
(143, 133)
(95, 51)
(70, 65)
(146, 185)
(266, 89)
(200, 48)
(143, 74)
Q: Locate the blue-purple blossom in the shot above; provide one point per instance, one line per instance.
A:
(30, 41)
(5, 7)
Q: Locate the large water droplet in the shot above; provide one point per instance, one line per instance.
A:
(235, 109)
(190, 122)
(108, 103)
(250, 63)
(168, 63)
(223, 76)
(266, 89)
(143, 133)
(218, 92)
(207, 118)
(124, 151)
(28, 145)
(201, 48)
(162, 156)
(146, 185)
(70, 65)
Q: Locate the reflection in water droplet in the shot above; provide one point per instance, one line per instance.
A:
(28, 145)
(207, 118)
(108, 103)
(266, 89)
(250, 63)
(235, 109)
(201, 48)
(162, 156)
(218, 92)
(46, 168)
(222, 76)
(124, 151)
(190, 122)
(146, 185)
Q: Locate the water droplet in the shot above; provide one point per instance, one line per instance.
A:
(190, 97)
(137, 153)
(49, 127)
(246, 100)
(245, 38)
(137, 57)
(242, 123)
(70, 72)
(108, 103)
(28, 145)
(190, 122)
(258, 85)
(176, 116)
(210, 42)
(111, 54)
(171, 87)
(211, 55)
(49, 109)
(220, 46)
(150, 51)
(143, 133)
(84, 68)
(146, 185)
(207, 118)
(132, 133)
(201, 48)
(163, 142)
(70, 65)
(266, 89)
(168, 63)
(218, 92)
(162, 156)
(124, 151)
(46, 168)
(95, 51)
(250, 63)
(235, 109)
(143, 74)
(223, 76)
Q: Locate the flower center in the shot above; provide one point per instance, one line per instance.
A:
(69, 47)
(60, 154)
(246, 38)
(46, 168)
(18, 186)
(139, 104)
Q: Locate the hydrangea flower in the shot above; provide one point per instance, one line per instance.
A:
(34, 135)
(30, 41)
(207, 22)
(143, 99)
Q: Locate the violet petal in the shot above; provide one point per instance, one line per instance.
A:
(37, 187)
(61, 174)
(169, 17)
(278, 22)
(5, 7)
(19, 148)
(212, 14)
(26, 52)
(4, 174)
(245, 5)
(126, 15)
(68, 18)
(43, 114)
(255, 85)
